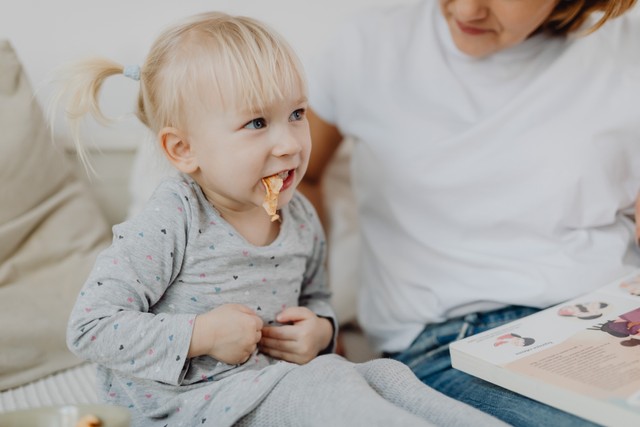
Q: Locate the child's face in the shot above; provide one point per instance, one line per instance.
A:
(234, 150)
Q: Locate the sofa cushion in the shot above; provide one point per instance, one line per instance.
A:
(50, 231)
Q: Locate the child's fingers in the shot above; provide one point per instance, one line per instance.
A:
(294, 314)
(244, 309)
(241, 308)
(276, 344)
(259, 323)
(283, 355)
(285, 332)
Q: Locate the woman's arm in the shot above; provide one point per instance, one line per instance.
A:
(637, 219)
(325, 139)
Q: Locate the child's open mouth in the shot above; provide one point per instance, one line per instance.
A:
(287, 178)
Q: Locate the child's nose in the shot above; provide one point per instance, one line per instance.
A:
(287, 145)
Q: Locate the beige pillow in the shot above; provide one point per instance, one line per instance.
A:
(50, 232)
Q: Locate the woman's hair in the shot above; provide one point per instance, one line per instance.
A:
(208, 58)
(570, 15)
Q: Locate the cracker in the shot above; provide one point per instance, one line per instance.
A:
(272, 184)
(89, 421)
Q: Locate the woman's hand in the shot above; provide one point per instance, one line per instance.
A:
(229, 333)
(303, 336)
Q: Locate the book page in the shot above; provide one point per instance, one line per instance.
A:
(589, 345)
(600, 366)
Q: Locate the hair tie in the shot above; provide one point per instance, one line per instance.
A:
(132, 71)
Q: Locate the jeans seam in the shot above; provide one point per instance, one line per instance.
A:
(427, 355)
(463, 331)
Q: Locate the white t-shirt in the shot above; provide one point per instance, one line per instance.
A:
(482, 182)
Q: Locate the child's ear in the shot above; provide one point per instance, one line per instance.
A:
(177, 150)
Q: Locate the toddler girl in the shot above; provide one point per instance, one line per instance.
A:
(206, 309)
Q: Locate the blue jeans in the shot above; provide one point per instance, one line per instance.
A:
(428, 357)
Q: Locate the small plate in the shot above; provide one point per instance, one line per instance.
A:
(65, 416)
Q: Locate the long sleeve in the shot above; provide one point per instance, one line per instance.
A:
(113, 322)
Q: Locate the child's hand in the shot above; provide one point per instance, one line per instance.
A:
(229, 333)
(299, 342)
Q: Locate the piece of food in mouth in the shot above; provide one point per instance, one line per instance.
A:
(273, 184)
(89, 421)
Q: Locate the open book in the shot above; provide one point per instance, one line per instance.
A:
(582, 356)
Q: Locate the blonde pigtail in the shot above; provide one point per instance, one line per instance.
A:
(78, 93)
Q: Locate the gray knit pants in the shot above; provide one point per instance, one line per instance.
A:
(330, 391)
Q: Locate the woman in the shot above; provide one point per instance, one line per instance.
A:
(497, 152)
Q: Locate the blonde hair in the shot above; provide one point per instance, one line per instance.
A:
(246, 64)
(570, 15)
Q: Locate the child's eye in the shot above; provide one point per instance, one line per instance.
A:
(256, 124)
(297, 115)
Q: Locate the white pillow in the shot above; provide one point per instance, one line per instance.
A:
(50, 232)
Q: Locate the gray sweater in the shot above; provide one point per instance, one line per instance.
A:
(176, 259)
